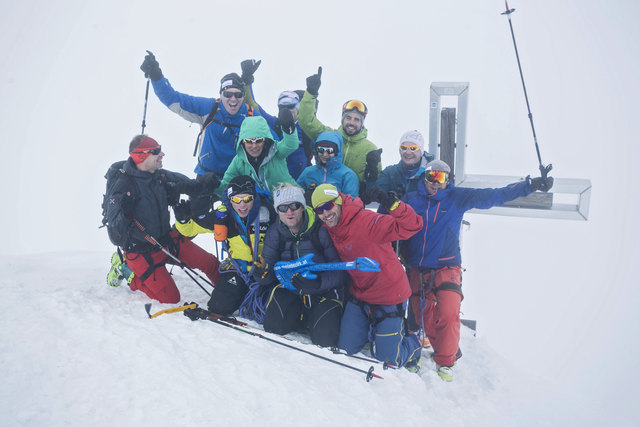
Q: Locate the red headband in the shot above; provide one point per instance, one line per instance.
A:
(147, 143)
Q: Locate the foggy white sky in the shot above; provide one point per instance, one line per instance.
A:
(559, 294)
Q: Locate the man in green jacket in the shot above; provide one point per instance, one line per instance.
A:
(260, 156)
(359, 154)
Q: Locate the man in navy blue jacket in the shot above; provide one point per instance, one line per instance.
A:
(433, 253)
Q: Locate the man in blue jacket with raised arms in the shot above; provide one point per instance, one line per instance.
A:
(219, 118)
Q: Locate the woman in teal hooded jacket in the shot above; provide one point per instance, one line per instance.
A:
(331, 172)
(260, 157)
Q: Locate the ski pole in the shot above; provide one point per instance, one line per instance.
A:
(544, 170)
(146, 98)
(147, 307)
(194, 315)
(179, 263)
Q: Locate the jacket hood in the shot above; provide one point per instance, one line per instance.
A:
(335, 137)
(253, 127)
(350, 207)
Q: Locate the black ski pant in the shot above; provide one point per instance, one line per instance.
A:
(228, 294)
(320, 315)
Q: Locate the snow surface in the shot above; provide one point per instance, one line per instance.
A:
(77, 352)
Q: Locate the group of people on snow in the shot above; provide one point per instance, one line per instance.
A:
(275, 205)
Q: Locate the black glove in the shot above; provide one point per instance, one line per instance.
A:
(313, 82)
(151, 67)
(285, 118)
(127, 204)
(210, 182)
(371, 168)
(182, 211)
(385, 198)
(306, 285)
(168, 243)
(541, 184)
(200, 205)
(249, 66)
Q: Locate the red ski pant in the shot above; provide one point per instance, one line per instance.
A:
(152, 277)
(441, 312)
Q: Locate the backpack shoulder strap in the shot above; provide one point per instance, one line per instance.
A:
(207, 122)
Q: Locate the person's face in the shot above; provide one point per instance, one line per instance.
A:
(291, 218)
(232, 99)
(324, 153)
(242, 207)
(352, 123)
(410, 153)
(330, 217)
(254, 146)
(432, 188)
(152, 163)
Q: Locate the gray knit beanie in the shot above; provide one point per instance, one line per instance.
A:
(288, 193)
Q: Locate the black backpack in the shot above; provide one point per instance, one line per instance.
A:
(117, 179)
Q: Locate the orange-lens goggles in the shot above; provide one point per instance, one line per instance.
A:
(436, 177)
(410, 147)
(257, 140)
(354, 104)
(246, 199)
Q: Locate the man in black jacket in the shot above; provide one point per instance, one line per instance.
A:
(138, 212)
(314, 304)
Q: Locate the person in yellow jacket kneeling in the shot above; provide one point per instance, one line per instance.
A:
(241, 222)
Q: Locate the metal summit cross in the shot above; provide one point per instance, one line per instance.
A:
(568, 199)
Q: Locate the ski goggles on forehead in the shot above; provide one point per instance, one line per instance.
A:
(246, 199)
(154, 151)
(291, 206)
(354, 104)
(323, 150)
(436, 177)
(409, 147)
(327, 206)
(229, 94)
(257, 140)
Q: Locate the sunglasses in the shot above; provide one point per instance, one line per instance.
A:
(436, 177)
(410, 147)
(291, 206)
(154, 151)
(246, 199)
(228, 94)
(325, 206)
(323, 150)
(354, 104)
(257, 140)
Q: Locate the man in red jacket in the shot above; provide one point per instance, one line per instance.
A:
(376, 303)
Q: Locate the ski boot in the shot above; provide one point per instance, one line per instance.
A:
(119, 271)
(414, 366)
(446, 372)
